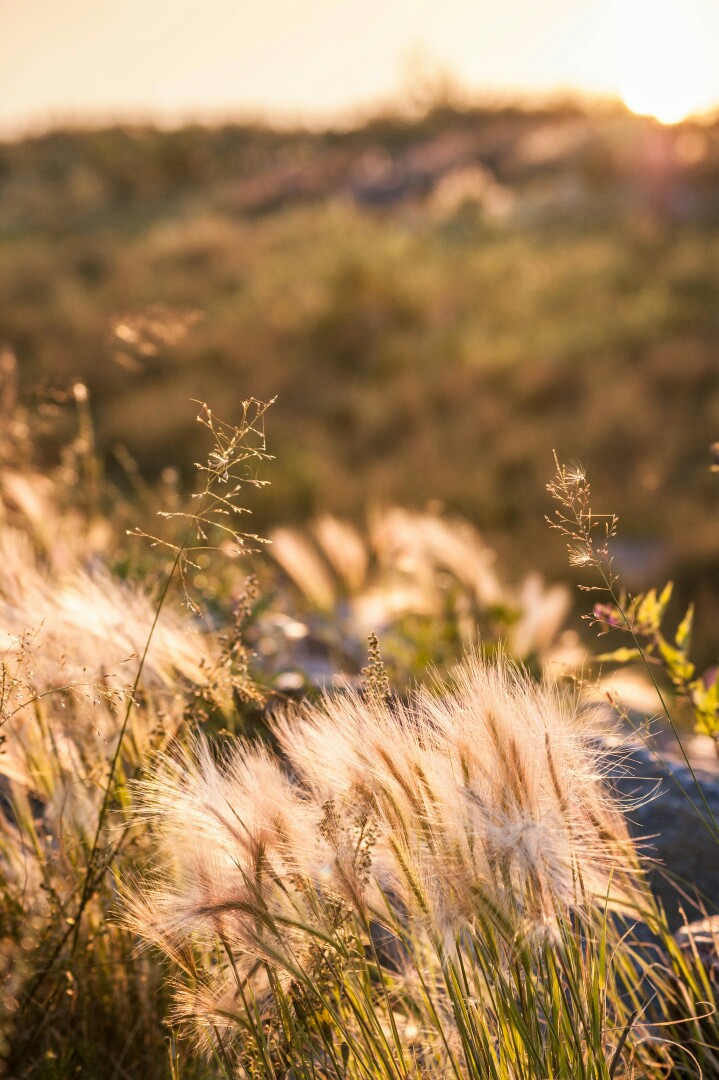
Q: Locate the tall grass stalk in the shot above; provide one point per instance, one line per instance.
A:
(226, 473)
(588, 538)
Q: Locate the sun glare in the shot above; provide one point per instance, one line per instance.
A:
(660, 63)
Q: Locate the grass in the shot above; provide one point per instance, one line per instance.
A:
(419, 893)
(412, 864)
(131, 670)
(382, 881)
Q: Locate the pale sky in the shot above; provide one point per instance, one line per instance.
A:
(170, 60)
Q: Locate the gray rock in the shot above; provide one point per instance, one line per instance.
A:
(701, 938)
(673, 827)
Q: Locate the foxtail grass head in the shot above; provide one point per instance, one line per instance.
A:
(479, 808)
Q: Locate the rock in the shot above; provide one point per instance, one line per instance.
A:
(673, 827)
(701, 938)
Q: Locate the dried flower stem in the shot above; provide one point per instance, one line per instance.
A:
(226, 465)
(588, 535)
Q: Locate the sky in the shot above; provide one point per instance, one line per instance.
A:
(171, 60)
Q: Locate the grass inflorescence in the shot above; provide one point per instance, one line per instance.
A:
(422, 870)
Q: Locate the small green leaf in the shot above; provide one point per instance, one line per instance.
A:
(705, 703)
(666, 596)
(620, 656)
(684, 631)
(645, 610)
(680, 669)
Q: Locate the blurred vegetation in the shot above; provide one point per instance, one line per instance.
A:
(119, 642)
(437, 303)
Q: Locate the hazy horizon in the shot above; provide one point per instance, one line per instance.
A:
(90, 62)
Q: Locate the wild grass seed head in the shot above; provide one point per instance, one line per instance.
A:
(478, 805)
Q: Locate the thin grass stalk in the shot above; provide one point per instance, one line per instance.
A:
(580, 529)
(220, 470)
(714, 827)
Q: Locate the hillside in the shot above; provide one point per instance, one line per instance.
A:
(437, 304)
(377, 801)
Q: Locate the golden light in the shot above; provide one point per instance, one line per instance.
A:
(661, 66)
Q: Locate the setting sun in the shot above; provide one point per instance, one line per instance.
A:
(661, 66)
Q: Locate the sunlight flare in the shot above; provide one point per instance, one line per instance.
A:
(659, 57)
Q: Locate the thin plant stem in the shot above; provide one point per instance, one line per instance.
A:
(579, 524)
(712, 825)
(87, 890)
(91, 881)
(219, 469)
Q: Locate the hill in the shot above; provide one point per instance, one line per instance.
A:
(436, 302)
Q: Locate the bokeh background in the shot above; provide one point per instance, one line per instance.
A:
(442, 236)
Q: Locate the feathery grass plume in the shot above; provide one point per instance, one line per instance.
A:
(393, 884)
(426, 541)
(65, 685)
(304, 566)
(91, 623)
(104, 679)
(344, 548)
(428, 584)
(527, 618)
(499, 773)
